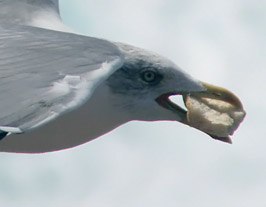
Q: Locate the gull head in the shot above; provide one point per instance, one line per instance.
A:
(142, 86)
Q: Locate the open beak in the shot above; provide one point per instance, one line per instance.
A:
(215, 111)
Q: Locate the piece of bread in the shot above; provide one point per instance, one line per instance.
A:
(216, 111)
(213, 116)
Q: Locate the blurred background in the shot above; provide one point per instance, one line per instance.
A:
(163, 163)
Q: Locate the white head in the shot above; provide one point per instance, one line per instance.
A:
(141, 87)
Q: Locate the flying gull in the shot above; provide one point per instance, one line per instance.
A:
(60, 89)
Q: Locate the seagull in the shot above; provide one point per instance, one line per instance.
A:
(60, 89)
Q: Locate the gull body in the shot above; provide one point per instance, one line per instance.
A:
(61, 89)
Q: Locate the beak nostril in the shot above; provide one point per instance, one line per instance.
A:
(217, 94)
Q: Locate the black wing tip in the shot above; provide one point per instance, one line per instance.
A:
(3, 135)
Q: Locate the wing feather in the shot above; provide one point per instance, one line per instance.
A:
(38, 13)
(44, 73)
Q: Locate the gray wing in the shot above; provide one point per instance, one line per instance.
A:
(38, 13)
(44, 73)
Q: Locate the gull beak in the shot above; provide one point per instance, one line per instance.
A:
(216, 111)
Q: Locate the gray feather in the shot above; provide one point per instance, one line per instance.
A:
(32, 60)
(24, 11)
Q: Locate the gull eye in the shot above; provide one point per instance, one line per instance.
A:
(150, 76)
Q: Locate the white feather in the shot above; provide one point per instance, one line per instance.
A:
(11, 129)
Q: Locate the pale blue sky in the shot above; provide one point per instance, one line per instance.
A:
(162, 164)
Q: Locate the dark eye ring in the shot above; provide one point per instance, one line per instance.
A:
(149, 76)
